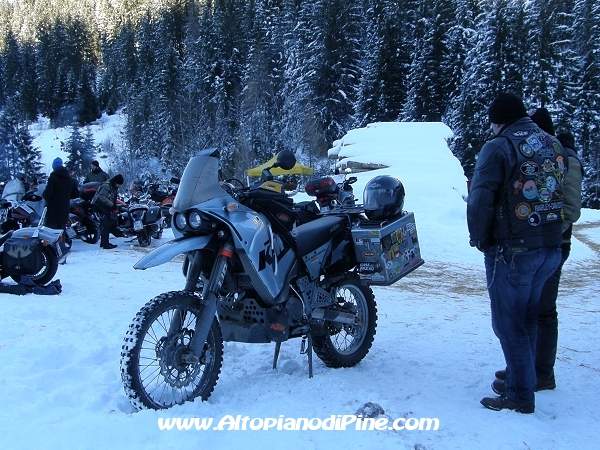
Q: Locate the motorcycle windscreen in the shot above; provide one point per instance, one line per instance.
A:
(13, 190)
(200, 181)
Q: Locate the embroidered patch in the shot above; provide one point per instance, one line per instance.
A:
(534, 219)
(529, 168)
(518, 185)
(521, 133)
(546, 152)
(557, 147)
(548, 166)
(534, 142)
(522, 210)
(526, 149)
(552, 217)
(551, 184)
(544, 194)
(530, 190)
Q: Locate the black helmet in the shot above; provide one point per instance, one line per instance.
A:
(383, 198)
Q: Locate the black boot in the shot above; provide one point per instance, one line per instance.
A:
(500, 403)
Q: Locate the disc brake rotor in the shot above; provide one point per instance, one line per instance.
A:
(169, 352)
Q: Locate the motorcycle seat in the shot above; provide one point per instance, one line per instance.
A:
(314, 234)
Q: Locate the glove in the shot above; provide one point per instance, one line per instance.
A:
(482, 245)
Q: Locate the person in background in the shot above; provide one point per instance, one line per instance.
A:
(59, 191)
(97, 174)
(105, 201)
(514, 218)
(547, 322)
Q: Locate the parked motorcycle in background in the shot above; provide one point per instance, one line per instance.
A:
(139, 217)
(254, 275)
(20, 208)
(164, 194)
(32, 251)
(84, 222)
(331, 194)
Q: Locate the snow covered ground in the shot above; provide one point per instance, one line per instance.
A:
(434, 354)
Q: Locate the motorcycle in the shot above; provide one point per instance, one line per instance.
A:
(32, 251)
(253, 275)
(20, 208)
(139, 219)
(84, 222)
(331, 194)
(164, 196)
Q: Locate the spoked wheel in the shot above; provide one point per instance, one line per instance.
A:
(155, 366)
(48, 270)
(143, 237)
(345, 345)
(91, 235)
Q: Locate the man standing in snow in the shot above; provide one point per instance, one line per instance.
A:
(97, 174)
(59, 191)
(514, 215)
(547, 323)
(105, 201)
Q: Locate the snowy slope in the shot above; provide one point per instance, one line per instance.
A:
(434, 354)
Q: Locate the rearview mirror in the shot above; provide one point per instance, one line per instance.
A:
(286, 160)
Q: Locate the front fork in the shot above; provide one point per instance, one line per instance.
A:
(210, 292)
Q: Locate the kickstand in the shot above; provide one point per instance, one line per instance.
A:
(276, 355)
(307, 350)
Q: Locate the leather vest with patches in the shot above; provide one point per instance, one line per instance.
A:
(530, 212)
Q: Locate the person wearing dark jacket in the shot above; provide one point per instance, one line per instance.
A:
(105, 201)
(514, 217)
(59, 191)
(547, 322)
(97, 174)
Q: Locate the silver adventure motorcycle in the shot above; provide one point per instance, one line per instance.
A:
(253, 275)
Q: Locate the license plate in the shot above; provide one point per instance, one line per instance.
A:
(137, 225)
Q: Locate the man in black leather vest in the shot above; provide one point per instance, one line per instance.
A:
(547, 323)
(514, 215)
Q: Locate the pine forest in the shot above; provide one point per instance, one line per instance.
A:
(253, 77)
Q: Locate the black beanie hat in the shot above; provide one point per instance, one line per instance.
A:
(542, 119)
(507, 107)
(117, 179)
(566, 139)
(95, 163)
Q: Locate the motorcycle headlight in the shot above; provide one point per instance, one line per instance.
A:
(180, 221)
(194, 220)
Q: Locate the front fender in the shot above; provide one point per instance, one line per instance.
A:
(169, 250)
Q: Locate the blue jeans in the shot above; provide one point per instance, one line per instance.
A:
(547, 332)
(515, 281)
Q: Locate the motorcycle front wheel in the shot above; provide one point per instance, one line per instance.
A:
(153, 368)
(345, 345)
(48, 270)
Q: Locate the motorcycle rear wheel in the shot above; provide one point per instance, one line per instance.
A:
(144, 238)
(345, 345)
(48, 270)
(153, 373)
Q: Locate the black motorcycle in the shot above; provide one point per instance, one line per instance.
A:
(32, 251)
(84, 222)
(141, 219)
